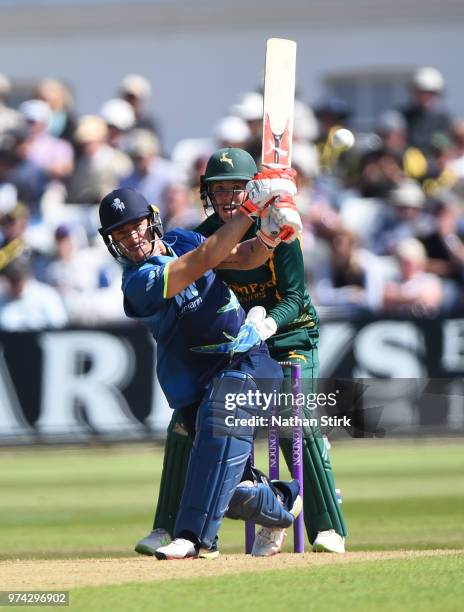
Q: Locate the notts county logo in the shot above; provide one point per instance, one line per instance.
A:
(226, 160)
(118, 205)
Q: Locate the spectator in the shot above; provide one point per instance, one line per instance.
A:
(440, 173)
(152, 174)
(62, 122)
(27, 304)
(415, 292)
(331, 112)
(30, 180)
(250, 109)
(99, 166)
(119, 118)
(305, 127)
(457, 165)
(350, 279)
(380, 172)
(180, 211)
(53, 155)
(392, 129)
(16, 232)
(136, 90)
(9, 118)
(366, 209)
(445, 249)
(82, 278)
(306, 162)
(231, 132)
(425, 114)
(402, 217)
(14, 218)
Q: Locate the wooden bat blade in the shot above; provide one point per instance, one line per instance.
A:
(279, 96)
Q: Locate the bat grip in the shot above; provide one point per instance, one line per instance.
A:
(277, 139)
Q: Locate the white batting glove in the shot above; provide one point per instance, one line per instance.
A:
(283, 214)
(269, 232)
(265, 187)
(264, 325)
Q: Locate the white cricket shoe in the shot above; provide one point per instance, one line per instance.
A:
(177, 549)
(269, 541)
(155, 539)
(329, 541)
(185, 549)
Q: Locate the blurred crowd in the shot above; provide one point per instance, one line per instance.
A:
(383, 221)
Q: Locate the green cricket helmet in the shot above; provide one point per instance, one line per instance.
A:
(229, 164)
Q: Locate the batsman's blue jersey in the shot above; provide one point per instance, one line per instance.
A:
(194, 330)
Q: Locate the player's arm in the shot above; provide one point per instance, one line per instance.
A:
(247, 255)
(183, 271)
(263, 191)
(282, 223)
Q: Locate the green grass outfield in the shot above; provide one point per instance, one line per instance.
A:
(97, 502)
(423, 584)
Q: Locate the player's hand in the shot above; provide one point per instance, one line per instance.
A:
(274, 173)
(284, 215)
(265, 187)
(269, 232)
(265, 326)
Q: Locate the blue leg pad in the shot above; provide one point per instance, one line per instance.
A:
(260, 503)
(217, 460)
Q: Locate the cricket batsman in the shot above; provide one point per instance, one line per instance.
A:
(207, 350)
(291, 330)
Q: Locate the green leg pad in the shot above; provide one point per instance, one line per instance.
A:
(321, 508)
(175, 464)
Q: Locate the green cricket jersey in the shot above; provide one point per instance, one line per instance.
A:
(279, 286)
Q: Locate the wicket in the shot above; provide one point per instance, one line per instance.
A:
(297, 462)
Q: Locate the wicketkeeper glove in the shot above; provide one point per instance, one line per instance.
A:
(264, 325)
(265, 187)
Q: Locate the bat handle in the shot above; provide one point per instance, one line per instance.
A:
(277, 139)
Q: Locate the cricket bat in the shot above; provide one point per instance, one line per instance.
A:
(279, 102)
(279, 99)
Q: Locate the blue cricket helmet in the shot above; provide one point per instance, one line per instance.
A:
(123, 206)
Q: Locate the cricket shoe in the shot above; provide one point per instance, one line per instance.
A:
(269, 541)
(329, 541)
(155, 539)
(185, 549)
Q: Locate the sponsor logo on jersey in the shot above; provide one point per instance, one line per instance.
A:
(254, 292)
(188, 299)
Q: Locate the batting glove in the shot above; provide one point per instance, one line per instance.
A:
(264, 325)
(284, 214)
(265, 187)
(269, 232)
